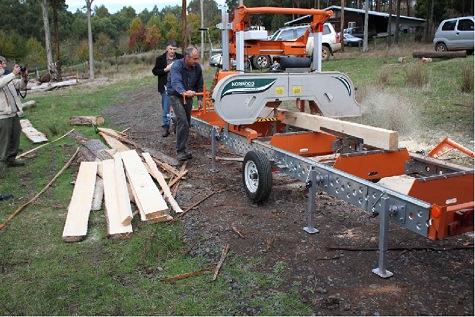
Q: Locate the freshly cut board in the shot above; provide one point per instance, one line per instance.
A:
(31, 133)
(377, 137)
(125, 210)
(161, 181)
(75, 227)
(147, 196)
(115, 228)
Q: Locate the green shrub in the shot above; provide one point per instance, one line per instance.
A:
(417, 75)
(466, 82)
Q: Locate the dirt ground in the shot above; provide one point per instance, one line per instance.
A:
(426, 281)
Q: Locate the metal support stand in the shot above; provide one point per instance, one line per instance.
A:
(312, 193)
(383, 238)
(213, 150)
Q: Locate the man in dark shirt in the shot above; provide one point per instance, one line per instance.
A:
(186, 79)
(163, 64)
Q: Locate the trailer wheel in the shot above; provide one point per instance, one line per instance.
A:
(257, 176)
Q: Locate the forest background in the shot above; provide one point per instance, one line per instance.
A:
(22, 31)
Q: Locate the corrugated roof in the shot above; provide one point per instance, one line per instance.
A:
(304, 18)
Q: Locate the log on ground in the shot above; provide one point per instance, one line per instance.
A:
(87, 120)
(452, 54)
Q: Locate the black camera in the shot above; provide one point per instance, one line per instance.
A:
(22, 69)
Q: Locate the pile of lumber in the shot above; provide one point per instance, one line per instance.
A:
(117, 178)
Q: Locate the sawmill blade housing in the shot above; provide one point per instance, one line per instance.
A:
(242, 98)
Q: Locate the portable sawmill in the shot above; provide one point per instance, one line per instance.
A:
(341, 158)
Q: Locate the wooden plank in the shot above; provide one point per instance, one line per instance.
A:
(147, 195)
(31, 133)
(114, 143)
(377, 137)
(75, 227)
(115, 228)
(125, 210)
(161, 181)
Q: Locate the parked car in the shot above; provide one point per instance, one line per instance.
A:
(217, 61)
(351, 40)
(330, 43)
(359, 32)
(455, 35)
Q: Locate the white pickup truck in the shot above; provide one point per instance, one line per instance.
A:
(330, 43)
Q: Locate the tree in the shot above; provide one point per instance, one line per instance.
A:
(49, 55)
(89, 39)
(137, 35)
(192, 29)
(55, 5)
(152, 33)
(36, 56)
(170, 27)
(398, 16)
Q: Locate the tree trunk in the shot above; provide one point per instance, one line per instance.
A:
(398, 15)
(431, 22)
(54, 5)
(49, 54)
(366, 17)
(388, 40)
(342, 23)
(89, 39)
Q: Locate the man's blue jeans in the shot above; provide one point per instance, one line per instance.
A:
(165, 109)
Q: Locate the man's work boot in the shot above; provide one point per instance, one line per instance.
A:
(166, 131)
(5, 196)
(183, 156)
(15, 163)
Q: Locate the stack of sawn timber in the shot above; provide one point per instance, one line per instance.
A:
(146, 195)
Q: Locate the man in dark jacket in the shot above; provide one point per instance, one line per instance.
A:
(186, 80)
(163, 64)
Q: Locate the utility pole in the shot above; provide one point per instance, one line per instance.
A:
(183, 25)
(202, 35)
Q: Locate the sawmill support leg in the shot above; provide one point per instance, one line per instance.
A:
(312, 193)
(384, 215)
(213, 150)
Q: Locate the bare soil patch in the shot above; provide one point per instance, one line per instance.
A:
(332, 282)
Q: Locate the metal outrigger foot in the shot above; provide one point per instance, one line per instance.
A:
(312, 192)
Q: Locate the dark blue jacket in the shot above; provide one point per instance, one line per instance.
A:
(182, 79)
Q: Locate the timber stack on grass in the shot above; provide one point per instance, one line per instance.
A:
(120, 177)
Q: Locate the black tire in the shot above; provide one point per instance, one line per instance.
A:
(325, 53)
(261, 61)
(440, 47)
(257, 176)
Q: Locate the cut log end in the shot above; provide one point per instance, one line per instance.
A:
(71, 239)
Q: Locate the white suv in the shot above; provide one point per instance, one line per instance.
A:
(455, 35)
(330, 43)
